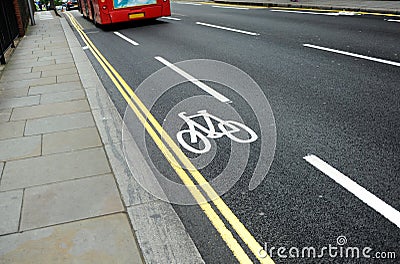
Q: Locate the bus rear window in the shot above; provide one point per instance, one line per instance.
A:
(131, 3)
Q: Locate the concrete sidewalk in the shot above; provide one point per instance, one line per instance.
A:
(385, 7)
(59, 200)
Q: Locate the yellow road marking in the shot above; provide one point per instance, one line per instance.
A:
(306, 9)
(378, 14)
(233, 5)
(240, 229)
(332, 11)
(301, 9)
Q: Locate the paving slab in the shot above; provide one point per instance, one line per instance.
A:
(54, 168)
(10, 209)
(17, 65)
(46, 110)
(56, 41)
(28, 83)
(32, 37)
(66, 60)
(61, 51)
(55, 88)
(71, 140)
(18, 148)
(19, 101)
(69, 201)
(53, 38)
(106, 239)
(60, 72)
(15, 92)
(25, 76)
(21, 70)
(68, 78)
(42, 53)
(12, 129)
(24, 51)
(5, 115)
(62, 56)
(58, 123)
(62, 96)
(57, 48)
(29, 42)
(55, 45)
(33, 49)
(27, 58)
(53, 67)
(43, 41)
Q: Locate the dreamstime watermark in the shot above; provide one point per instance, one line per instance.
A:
(198, 123)
(340, 249)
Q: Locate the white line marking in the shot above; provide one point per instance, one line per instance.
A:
(85, 48)
(195, 4)
(231, 7)
(193, 80)
(304, 12)
(347, 13)
(360, 192)
(172, 18)
(134, 43)
(229, 29)
(354, 55)
(393, 20)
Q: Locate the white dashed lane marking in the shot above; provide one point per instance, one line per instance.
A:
(360, 192)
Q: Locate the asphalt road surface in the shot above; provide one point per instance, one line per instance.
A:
(333, 84)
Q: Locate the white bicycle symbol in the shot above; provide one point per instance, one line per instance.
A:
(196, 136)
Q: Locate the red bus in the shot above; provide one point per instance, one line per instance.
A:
(115, 11)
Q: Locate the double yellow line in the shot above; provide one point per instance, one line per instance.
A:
(234, 5)
(143, 115)
(333, 11)
(299, 9)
